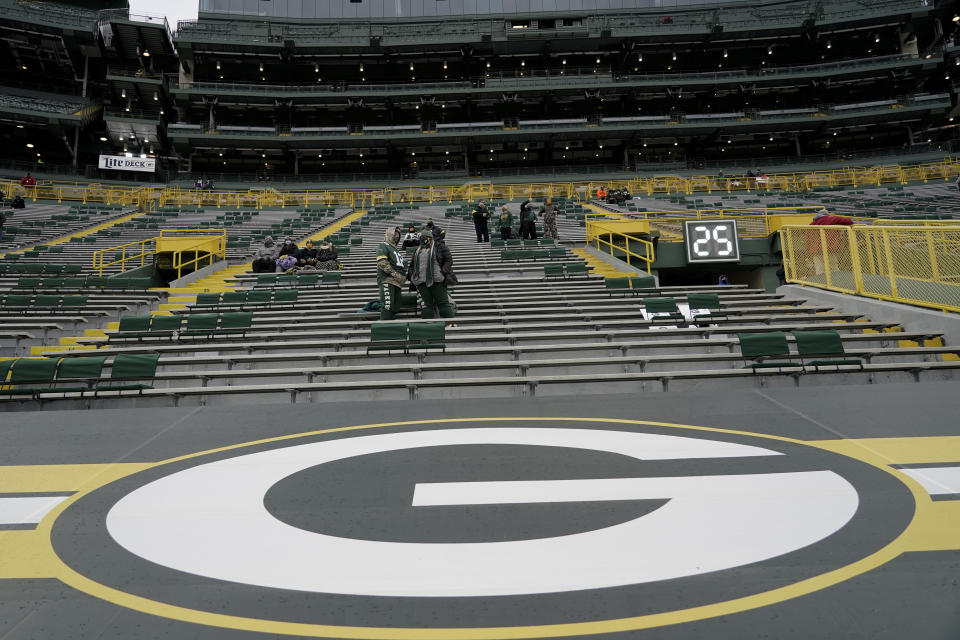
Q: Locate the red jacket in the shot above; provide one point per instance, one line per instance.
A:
(833, 220)
(28, 181)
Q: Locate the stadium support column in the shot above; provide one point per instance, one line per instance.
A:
(796, 142)
(466, 160)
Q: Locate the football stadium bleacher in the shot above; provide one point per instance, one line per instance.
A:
(715, 398)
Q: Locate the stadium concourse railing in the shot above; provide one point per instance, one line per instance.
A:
(615, 233)
(911, 262)
(795, 182)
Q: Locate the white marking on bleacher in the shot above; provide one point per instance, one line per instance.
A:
(27, 510)
(938, 481)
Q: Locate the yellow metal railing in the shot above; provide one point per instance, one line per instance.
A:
(203, 244)
(757, 222)
(790, 182)
(915, 264)
(621, 244)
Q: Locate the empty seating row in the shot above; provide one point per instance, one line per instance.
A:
(31, 376)
(248, 297)
(387, 336)
(299, 279)
(100, 282)
(565, 270)
(39, 268)
(21, 301)
(516, 242)
(759, 349)
(533, 254)
(174, 326)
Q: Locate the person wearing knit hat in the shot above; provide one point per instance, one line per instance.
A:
(265, 260)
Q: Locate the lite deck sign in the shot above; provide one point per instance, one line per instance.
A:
(711, 241)
(123, 163)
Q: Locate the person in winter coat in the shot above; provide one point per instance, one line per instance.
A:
(506, 223)
(836, 242)
(429, 270)
(307, 257)
(327, 256)
(549, 214)
(265, 261)
(289, 248)
(480, 217)
(528, 227)
(391, 273)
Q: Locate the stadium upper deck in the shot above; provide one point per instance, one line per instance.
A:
(307, 88)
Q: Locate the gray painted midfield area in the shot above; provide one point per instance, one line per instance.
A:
(914, 596)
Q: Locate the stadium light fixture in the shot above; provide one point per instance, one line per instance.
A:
(876, 38)
(29, 145)
(19, 126)
(956, 17)
(725, 54)
(24, 67)
(564, 61)
(361, 67)
(639, 57)
(444, 64)
(261, 67)
(103, 138)
(523, 63)
(770, 50)
(156, 96)
(411, 66)
(316, 68)
(146, 53)
(598, 60)
(674, 56)
(829, 44)
(123, 93)
(488, 65)
(218, 65)
(221, 154)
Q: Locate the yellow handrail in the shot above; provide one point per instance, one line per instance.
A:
(789, 182)
(178, 263)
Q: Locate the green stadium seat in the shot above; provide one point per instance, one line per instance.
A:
(332, 277)
(286, 295)
(577, 269)
(86, 368)
(208, 299)
(134, 324)
(662, 309)
(427, 335)
(73, 301)
(236, 322)
(267, 278)
(5, 369)
(233, 297)
(553, 271)
(131, 366)
(46, 300)
(32, 371)
(202, 322)
(820, 344)
(387, 336)
(170, 323)
(258, 296)
(29, 283)
(757, 348)
(308, 279)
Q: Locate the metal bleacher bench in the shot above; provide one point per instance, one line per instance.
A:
(404, 336)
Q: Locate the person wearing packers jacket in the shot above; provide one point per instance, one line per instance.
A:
(480, 216)
(391, 273)
(506, 223)
(430, 268)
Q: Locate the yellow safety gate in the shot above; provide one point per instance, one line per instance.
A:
(914, 264)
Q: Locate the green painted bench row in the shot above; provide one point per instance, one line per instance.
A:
(248, 297)
(815, 349)
(630, 284)
(17, 301)
(30, 376)
(404, 336)
(300, 279)
(533, 254)
(187, 325)
(39, 268)
(565, 270)
(516, 242)
(99, 282)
